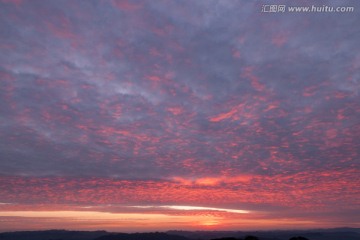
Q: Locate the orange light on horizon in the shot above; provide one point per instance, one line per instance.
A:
(189, 208)
(210, 223)
(130, 222)
(88, 220)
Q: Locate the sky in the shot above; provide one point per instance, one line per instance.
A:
(196, 115)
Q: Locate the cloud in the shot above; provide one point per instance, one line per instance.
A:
(119, 99)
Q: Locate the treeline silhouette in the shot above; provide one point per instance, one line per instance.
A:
(103, 235)
(255, 238)
(330, 234)
(232, 238)
(298, 238)
(141, 236)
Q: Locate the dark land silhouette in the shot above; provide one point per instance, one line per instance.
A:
(141, 236)
(232, 238)
(298, 238)
(323, 234)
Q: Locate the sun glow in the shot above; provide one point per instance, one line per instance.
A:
(195, 208)
(210, 223)
(107, 220)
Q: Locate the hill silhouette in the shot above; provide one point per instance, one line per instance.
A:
(319, 234)
(324, 234)
(52, 235)
(141, 236)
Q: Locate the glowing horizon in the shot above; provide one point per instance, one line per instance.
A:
(188, 208)
(126, 222)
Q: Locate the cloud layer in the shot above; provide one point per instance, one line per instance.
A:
(199, 103)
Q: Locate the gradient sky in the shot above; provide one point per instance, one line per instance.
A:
(169, 114)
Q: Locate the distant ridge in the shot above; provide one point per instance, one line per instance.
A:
(52, 235)
(311, 234)
(142, 236)
(321, 234)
